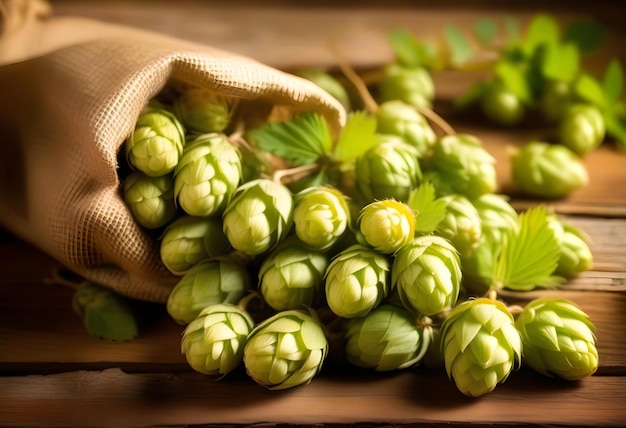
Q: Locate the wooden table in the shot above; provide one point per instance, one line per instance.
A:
(54, 374)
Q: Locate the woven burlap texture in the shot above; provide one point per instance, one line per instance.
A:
(65, 114)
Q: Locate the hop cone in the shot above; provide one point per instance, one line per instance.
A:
(291, 276)
(203, 111)
(156, 143)
(207, 175)
(575, 257)
(460, 164)
(388, 338)
(387, 225)
(258, 216)
(582, 129)
(480, 345)
(150, 199)
(213, 342)
(461, 225)
(395, 117)
(188, 240)
(388, 170)
(558, 339)
(412, 85)
(285, 350)
(321, 215)
(427, 274)
(213, 281)
(547, 170)
(357, 281)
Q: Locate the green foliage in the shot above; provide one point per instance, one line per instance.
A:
(429, 210)
(357, 136)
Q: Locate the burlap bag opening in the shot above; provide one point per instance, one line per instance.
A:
(71, 90)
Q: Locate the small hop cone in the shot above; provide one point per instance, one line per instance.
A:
(582, 129)
(387, 225)
(213, 342)
(558, 339)
(150, 199)
(480, 344)
(388, 338)
(412, 85)
(285, 350)
(202, 111)
(461, 225)
(396, 117)
(576, 256)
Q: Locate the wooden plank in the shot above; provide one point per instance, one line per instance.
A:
(114, 398)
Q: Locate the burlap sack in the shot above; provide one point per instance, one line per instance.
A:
(71, 90)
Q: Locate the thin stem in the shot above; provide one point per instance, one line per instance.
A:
(437, 120)
(61, 276)
(291, 175)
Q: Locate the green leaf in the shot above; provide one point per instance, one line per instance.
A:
(485, 30)
(542, 30)
(459, 47)
(613, 82)
(357, 136)
(514, 79)
(561, 62)
(589, 89)
(429, 210)
(301, 140)
(529, 254)
(105, 314)
(586, 34)
(410, 51)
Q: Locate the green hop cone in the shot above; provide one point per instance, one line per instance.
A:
(412, 85)
(291, 276)
(576, 256)
(481, 345)
(259, 216)
(556, 98)
(460, 164)
(501, 105)
(388, 170)
(207, 175)
(213, 342)
(386, 339)
(386, 225)
(202, 111)
(156, 143)
(356, 281)
(286, 350)
(547, 170)
(321, 215)
(188, 240)
(558, 338)
(582, 128)
(427, 275)
(213, 281)
(461, 225)
(150, 199)
(396, 117)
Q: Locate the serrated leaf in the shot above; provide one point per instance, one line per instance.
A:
(589, 89)
(357, 136)
(410, 51)
(302, 140)
(459, 47)
(542, 30)
(613, 81)
(485, 30)
(586, 34)
(514, 78)
(561, 62)
(529, 254)
(429, 211)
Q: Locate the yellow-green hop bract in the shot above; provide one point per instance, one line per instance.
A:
(202, 111)
(547, 170)
(558, 338)
(582, 128)
(461, 225)
(321, 216)
(150, 199)
(387, 225)
(188, 240)
(213, 281)
(388, 338)
(357, 281)
(213, 342)
(481, 345)
(156, 143)
(207, 175)
(399, 118)
(291, 276)
(413, 85)
(427, 275)
(388, 170)
(576, 256)
(285, 350)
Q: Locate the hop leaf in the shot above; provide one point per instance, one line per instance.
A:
(357, 136)
(429, 210)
